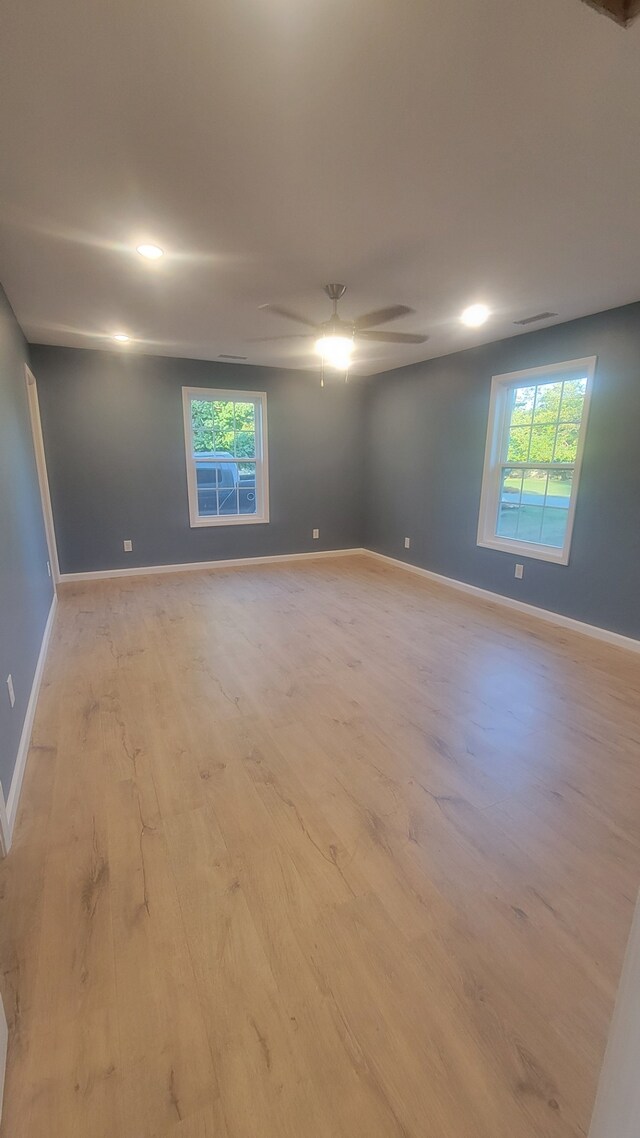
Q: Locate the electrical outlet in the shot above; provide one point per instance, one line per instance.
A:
(128, 545)
(49, 568)
(407, 543)
(519, 572)
(12, 694)
(316, 533)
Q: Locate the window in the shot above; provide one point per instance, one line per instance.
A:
(537, 424)
(226, 449)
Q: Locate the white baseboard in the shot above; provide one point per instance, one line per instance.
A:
(592, 630)
(5, 840)
(228, 563)
(617, 1106)
(510, 602)
(8, 813)
(4, 1039)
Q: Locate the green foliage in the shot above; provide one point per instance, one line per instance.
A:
(545, 422)
(224, 425)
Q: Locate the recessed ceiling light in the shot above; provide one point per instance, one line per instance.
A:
(475, 315)
(151, 252)
(121, 337)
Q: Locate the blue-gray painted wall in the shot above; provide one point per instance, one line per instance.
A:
(25, 588)
(114, 440)
(370, 463)
(426, 432)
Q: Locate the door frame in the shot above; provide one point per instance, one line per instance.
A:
(43, 477)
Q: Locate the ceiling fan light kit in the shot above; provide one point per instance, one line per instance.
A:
(335, 338)
(335, 350)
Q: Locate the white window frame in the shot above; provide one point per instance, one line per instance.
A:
(501, 386)
(259, 399)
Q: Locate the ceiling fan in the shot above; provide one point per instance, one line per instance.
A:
(335, 337)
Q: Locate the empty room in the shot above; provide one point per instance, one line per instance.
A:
(320, 569)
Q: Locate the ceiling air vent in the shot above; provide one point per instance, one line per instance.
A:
(225, 357)
(534, 319)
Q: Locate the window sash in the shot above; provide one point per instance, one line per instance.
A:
(259, 460)
(198, 456)
(533, 465)
(530, 430)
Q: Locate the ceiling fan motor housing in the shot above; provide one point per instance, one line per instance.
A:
(334, 326)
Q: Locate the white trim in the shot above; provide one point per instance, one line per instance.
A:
(617, 1106)
(556, 618)
(259, 399)
(529, 548)
(500, 385)
(43, 476)
(228, 563)
(8, 815)
(5, 841)
(4, 1039)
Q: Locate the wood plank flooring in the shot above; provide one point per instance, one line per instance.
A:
(317, 851)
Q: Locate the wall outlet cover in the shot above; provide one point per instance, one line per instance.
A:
(12, 694)
(407, 543)
(316, 533)
(128, 545)
(519, 572)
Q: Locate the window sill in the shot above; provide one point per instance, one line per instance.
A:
(206, 523)
(527, 549)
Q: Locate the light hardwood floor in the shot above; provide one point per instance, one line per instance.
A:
(317, 851)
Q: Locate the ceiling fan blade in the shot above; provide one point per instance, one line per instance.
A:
(382, 316)
(393, 337)
(267, 339)
(278, 311)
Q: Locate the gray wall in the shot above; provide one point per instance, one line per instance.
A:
(114, 440)
(425, 444)
(370, 463)
(25, 588)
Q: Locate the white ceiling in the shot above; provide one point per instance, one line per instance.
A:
(432, 153)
